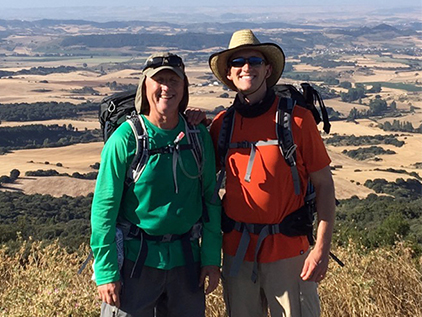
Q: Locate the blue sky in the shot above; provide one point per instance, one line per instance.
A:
(214, 3)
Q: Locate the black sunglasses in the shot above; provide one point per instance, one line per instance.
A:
(252, 61)
(172, 60)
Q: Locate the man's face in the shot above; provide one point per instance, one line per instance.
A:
(164, 92)
(249, 78)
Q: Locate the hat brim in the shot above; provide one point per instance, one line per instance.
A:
(273, 54)
(150, 72)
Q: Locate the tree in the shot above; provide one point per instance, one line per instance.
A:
(378, 106)
(353, 114)
(376, 87)
(14, 174)
(345, 84)
(393, 106)
(391, 229)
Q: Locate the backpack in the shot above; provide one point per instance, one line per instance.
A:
(289, 97)
(120, 107)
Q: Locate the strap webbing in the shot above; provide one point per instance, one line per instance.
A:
(285, 137)
(140, 260)
(253, 146)
(240, 252)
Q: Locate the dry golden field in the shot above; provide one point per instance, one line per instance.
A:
(40, 282)
(349, 174)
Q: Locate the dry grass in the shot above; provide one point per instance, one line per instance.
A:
(43, 282)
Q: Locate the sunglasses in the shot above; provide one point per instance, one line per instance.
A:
(241, 61)
(172, 60)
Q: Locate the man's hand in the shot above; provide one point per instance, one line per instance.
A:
(110, 293)
(213, 273)
(315, 267)
(196, 116)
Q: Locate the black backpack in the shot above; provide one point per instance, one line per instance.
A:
(120, 107)
(114, 110)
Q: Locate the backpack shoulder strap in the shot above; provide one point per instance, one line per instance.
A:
(142, 148)
(311, 95)
(223, 143)
(194, 138)
(285, 137)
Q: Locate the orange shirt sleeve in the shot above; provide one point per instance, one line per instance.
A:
(306, 135)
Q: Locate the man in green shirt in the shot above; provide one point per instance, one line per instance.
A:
(164, 203)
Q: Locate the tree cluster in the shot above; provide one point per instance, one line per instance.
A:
(400, 126)
(51, 172)
(14, 174)
(353, 94)
(410, 188)
(38, 135)
(86, 91)
(40, 71)
(361, 154)
(44, 111)
(44, 217)
(347, 140)
(120, 87)
(325, 62)
(380, 221)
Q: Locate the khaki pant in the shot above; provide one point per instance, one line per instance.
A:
(279, 287)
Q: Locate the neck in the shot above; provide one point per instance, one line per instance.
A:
(164, 122)
(253, 98)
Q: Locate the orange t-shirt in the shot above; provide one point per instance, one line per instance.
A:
(269, 196)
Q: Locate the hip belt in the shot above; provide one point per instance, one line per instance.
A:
(298, 223)
(194, 233)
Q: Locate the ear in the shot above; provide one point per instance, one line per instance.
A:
(269, 70)
(229, 75)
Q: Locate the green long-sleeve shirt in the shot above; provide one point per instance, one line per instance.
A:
(160, 202)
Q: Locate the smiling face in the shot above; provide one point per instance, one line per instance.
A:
(249, 79)
(164, 92)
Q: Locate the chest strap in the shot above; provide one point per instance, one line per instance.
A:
(298, 223)
(253, 146)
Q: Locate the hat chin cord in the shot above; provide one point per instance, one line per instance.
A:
(245, 96)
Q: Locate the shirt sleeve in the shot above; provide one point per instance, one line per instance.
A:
(215, 132)
(106, 204)
(308, 138)
(212, 236)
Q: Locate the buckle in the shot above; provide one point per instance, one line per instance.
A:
(134, 231)
(290, 152)
(167, 237)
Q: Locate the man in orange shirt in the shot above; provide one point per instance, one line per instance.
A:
(260, 191)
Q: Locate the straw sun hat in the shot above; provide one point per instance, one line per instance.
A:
(245, 39)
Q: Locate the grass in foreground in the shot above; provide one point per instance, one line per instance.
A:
(43, 281)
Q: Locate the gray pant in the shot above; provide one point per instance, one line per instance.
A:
(157, 293)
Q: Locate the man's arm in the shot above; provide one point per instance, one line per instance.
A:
(316, 264)
(196, 116)
(212, 237)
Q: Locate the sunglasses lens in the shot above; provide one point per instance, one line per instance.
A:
(171, 60)
(174, 61)
(255, 61)
(238, 62)
(252, 61)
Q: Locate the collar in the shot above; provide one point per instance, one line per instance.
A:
(254, 110)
